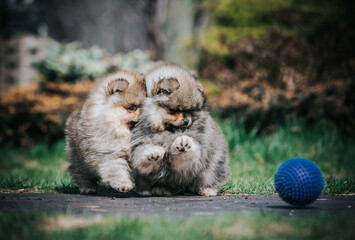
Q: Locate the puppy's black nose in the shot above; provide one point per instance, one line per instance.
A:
(186, 121)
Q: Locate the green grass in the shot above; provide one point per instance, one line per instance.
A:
(262, 225)
(253, 159)
(40, 167)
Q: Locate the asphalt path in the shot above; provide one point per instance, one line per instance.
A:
(131, 204)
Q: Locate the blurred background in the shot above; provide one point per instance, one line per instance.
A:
(259, 60)
(279, 75)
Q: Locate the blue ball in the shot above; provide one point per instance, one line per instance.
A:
(299, 181)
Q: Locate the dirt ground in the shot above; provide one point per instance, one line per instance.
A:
(131, 204)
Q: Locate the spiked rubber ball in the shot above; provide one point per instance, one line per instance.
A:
(299, 181)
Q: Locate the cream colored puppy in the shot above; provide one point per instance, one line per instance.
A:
(98, 134)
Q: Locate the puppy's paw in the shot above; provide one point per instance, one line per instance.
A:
(145, 193)
(208, 192)
(121, 184)
(182, 144)
(87, 190)
(148, 159)
(160, 191)
(155, 153)
(125, 186)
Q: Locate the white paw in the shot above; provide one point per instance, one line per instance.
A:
(148, 158)
(160, 191)
(122, 185)
(208, 192)
(182, 144)
(155, 153)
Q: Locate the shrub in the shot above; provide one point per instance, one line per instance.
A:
(30, 115)
(68, 62)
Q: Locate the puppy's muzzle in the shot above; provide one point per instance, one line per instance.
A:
(186, 121)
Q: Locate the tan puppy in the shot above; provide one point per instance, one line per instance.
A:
(98, 134)
(176, 145)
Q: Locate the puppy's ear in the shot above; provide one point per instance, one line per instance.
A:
(166, 86)
(142, 82)
(199, 85)
(142, 76)
(116, 86)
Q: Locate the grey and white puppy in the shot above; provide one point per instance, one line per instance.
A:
(176, 145)
(98, 134)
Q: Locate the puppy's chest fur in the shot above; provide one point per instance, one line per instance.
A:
(143, 134)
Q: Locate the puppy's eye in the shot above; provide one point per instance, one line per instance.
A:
(163, 92)
(132, 108)
(173, 111)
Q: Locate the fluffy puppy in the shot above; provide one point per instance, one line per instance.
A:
(176, 145)
(98, 134)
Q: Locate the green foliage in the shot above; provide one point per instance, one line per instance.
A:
(245, 13)
(340, 11)
(19, 18)
(209, 87)
(338, 14)
(137, 60)
(233, 19)
(257, 225)
(69, 62)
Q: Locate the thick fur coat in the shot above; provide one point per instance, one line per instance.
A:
(98, 134)
(176, 145)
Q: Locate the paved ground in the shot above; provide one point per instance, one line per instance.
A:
(131, 204)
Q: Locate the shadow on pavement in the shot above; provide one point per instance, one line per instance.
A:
(291, 207)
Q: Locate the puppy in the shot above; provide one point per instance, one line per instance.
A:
(176, 145)
(98, 134)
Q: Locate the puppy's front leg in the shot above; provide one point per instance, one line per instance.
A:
(184, 152)
(147, 158)
(143, 185)
(116, 173)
